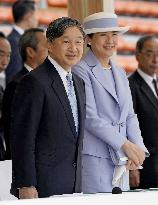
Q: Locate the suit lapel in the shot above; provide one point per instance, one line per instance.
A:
(120, 87)
(146, 90)
(149, 93)
(59, 89)
(79, 97)
(99, 74)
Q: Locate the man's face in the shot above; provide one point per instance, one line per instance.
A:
(148, 57)
(67, 50)
(32, 19)
(5, 51)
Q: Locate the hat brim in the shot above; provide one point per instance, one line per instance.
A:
(119, 30)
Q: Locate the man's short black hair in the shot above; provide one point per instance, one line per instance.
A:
(57, 27)
(142, 40)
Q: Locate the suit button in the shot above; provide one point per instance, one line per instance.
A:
(74, 164)
(122, 124)
(114, 123)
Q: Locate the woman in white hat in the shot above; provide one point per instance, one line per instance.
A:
(112, 141)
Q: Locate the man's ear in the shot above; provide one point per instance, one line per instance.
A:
(30, 52)
(49, 44)
(137, 55)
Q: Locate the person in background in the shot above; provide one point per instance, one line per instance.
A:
(25, 17)
(47, 121)
(5, 52)
(111, 125)
(144, 88)
(33, 50)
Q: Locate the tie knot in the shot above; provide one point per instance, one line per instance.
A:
(69, 77)
(154, 81)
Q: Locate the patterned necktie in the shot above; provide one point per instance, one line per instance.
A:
(155, 86)
(72, 99)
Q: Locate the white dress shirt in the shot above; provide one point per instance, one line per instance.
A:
(61, 72)
(18, 29)
(28, 67)
(148, 79)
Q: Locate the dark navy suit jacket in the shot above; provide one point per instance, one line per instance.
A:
(6, 107)
(146, 107)
(15, 63)
(46, 150)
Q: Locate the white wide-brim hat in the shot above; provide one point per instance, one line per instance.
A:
(102, 22)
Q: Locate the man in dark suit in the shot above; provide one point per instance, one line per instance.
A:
(33, 50)
(24, 14)
(143, 84)
(48, 119)
(5, 51)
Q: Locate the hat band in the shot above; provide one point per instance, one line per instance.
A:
(101, 23)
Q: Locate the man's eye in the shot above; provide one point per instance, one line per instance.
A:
(78, 42)
(66, 41)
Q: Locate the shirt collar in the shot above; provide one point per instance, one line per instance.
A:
(60, 70)
(28, 67)
(18, 29)
(145, 76)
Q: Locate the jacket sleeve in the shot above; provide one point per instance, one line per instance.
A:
(25, 118)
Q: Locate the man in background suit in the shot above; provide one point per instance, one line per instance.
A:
(145, 100)
(48, 119)
(33, 51)
(5, 51)
(25, 17)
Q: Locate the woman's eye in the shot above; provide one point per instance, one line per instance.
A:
(103, 34)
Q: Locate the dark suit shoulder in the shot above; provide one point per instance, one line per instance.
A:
(44, 72)
(11, 86)
(135, 80)
(32, 82)
(19, 75)
(14, 35)
(132, 77)
(39, 74)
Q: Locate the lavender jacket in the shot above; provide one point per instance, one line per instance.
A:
(110, 118)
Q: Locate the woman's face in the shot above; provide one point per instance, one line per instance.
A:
(103, 44)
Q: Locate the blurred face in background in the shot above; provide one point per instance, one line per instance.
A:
(31, 19)
(5, 51)
(103, 44)
(148, 57)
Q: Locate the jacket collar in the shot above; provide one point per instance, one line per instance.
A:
(98, 72)
(59, 89)
(144, 87)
